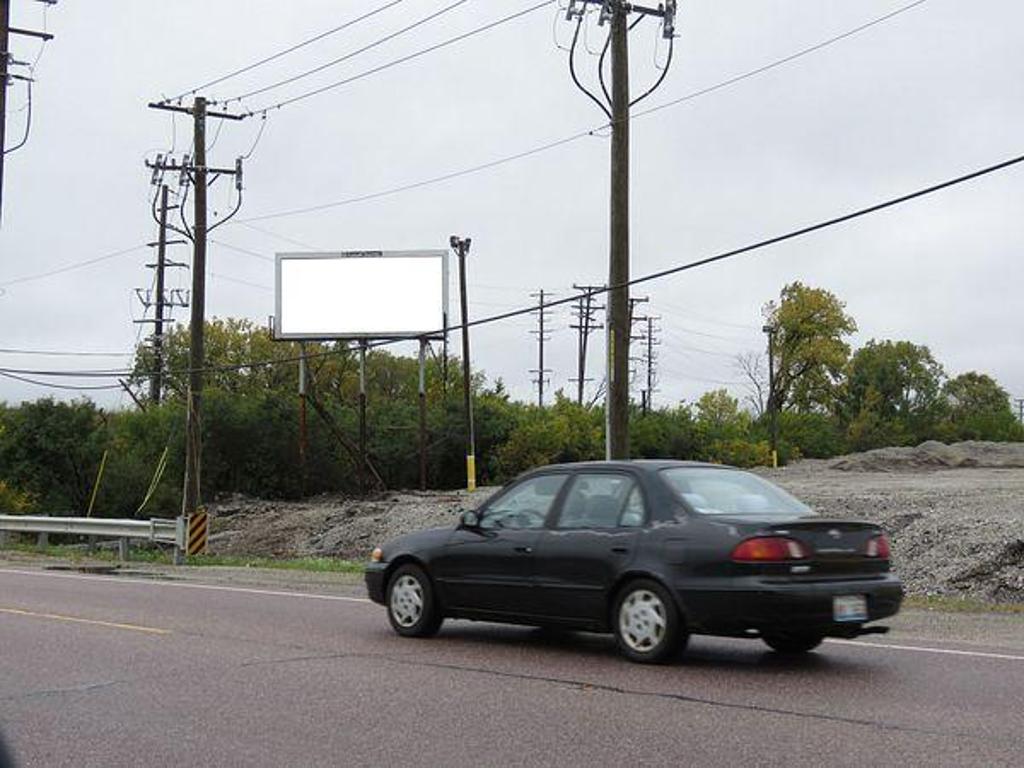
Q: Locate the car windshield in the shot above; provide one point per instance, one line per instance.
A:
(731, 492)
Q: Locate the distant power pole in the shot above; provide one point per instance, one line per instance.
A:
(200, 174)
(616, 107)
(584, 312)
(160, 299)
(1020, 409)
(634, 320)
(651, 359)
(542, 336)
(461, 246)
(6, 62)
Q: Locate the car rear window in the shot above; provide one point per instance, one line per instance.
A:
(731, 492)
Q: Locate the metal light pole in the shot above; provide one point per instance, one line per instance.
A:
(773, 410)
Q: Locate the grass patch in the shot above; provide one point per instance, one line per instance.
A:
(948, 604)
(163, 557)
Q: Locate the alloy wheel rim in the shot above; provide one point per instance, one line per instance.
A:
(642, 620)
(407, 600)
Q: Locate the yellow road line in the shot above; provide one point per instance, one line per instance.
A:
(94, 622)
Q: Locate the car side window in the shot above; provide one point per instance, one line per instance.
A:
(600, 501)
(525, 505)
(635, 513)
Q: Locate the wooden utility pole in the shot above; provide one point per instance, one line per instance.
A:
(5, 56)
(617, 439)
(461, 247)
(362, 417)
(199, 171)
(196, 350)
(584, 312)
(6, 61)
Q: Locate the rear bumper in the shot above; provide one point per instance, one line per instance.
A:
(375, 583)
(763, 605)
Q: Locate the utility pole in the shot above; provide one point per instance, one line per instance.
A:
(649, 359)
(542, 336)
(163, 301)
(616, 13)
(6, 62)
(773, 405)
(585, 323)
(303, 432)
(1020, 409)
(200, 173)
(634, 320)
(5, 57)
(461, 247)
(362, 416)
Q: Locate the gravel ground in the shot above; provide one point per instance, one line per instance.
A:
(957, 532)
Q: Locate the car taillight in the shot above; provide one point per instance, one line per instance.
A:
(878, 546)
(767, 549)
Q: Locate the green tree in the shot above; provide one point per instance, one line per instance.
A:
(893, 394)
(810, 351)
(979, 409)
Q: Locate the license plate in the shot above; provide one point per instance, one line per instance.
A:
(850, 608)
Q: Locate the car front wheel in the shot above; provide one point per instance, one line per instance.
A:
(647, 623)
(412, 608)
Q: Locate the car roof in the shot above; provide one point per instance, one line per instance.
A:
(650, 465)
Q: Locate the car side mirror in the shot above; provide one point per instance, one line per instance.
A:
(469, 519)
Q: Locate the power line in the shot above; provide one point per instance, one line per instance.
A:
(48, 385)
(401, 60)
(756, 246)
(70, 267)
(348, 56)
(62, 353)
(285, 52)
(548, 146)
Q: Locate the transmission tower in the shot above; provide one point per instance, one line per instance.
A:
(542, 335)
(584, 313)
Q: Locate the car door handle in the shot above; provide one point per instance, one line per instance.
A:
(525, 550)
(620, 550)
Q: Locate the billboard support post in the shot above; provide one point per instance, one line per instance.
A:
(362, 416)
(303, 437)
(423, 414)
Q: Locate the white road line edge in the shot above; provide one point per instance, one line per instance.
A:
(925, 649)
(189, 585)
(341, 598)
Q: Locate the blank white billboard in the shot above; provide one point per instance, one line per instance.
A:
(361, 294)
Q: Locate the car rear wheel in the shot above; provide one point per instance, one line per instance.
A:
(412, 608)
(793, 642)
(647, 624)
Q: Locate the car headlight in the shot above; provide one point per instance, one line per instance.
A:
(377, 555)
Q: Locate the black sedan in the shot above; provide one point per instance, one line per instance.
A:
(651, 551)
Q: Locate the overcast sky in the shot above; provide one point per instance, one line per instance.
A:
(929, 94)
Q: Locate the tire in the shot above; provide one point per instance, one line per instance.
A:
(411, 604)
(647, 624)
(793, 642)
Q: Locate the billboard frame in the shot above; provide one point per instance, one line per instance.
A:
(436, 334)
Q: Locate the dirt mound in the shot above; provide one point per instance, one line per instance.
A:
(935, 455)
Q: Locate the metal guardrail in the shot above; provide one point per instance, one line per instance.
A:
(156, 529)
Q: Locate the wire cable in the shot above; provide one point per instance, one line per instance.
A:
(595, 291)
(349, 56)
(575, 77)
(403, 59)
(62, 353)
(28, 120)
(279, 54)
(546, 147)
(70, 267)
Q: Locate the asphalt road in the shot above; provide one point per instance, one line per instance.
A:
(132, 670)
